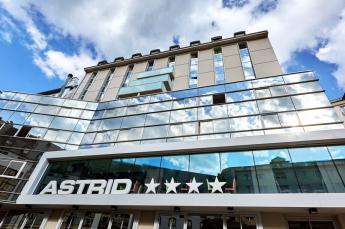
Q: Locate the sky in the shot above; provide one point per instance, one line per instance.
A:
(41, 41)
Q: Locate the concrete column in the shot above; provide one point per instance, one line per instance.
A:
(273, 221)
(147, 220)
(53, 219)
(341, 221)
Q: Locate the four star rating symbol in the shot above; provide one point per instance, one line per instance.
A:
(193, 186)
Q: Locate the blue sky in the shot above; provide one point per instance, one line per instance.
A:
(42, 41)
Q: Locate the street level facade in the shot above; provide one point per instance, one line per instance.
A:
(212, 135)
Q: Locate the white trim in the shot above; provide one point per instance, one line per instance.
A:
(18, 172)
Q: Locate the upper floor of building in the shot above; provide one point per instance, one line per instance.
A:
(242, 57)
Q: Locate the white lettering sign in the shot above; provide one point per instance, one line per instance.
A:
(113, 186)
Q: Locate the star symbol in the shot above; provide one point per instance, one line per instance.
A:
(151, 187)
(193, 186)
(171, 186)
(217, 186)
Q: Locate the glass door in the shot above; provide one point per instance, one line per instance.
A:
(311, 224)
(23, 220)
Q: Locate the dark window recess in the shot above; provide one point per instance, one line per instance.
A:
(218, 98)
(217, 50)
(194, 55)
(243, 45)
(24, 131)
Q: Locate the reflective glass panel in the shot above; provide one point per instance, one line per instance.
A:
(240, 96)
(133, 121)
(245, 123)
(160, 106)
(238, 170)
(310, 101)
(29, 107)
(275, 105)
(210, 112)
(64, 123)
(288, 119)
(130, 134)
(275, 172)
(39, 120)
(315, 170)
(145, 169)
(338, 156)
(204, 168)
(108, 124)
(45, 109)
(19, 117)
(270, 121)
(318, 116)
(174, 167)
(303, 87)
(299, 77)
(155, 132)
(238, 86)
(244, 108)
(183, 115)
(76, 138)
(157, 118)
(107, 136)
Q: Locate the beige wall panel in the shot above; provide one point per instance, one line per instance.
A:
(110, 94)
(91, 95)
(139, 67)
(116, 81)
(181, 70)
(101, 75)
(205, 66)
(232, 61)
(160, 63)
(273, 221)
(206, 79)
(182, 59)
(53, 219)
(267, 69)
(147, 219)
(82, 85)
(120, 71)
(180, 83)
(229, 50)
(205, 54)
(96, 85)
(259, 44)
(262, 56)
(233, 74)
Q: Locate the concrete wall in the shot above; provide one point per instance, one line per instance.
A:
(147, 219)
(181, 71)
(82, 85)
(264, 60)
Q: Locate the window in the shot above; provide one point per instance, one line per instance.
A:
(128, 76)
(105, 85)
(12, 169)
(218, 66)
(246, 62)
(171, 62)
(149, 66)
(193, 71)
(218, 98)
(88, 84)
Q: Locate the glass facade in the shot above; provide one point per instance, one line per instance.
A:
(280, 104)
(193, 71)
(293, 170)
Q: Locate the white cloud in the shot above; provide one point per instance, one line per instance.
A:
(120, 28)
(56, 63)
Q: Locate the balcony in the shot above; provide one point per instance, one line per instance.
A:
(149, 82)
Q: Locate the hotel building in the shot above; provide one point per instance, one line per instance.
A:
(209, 136)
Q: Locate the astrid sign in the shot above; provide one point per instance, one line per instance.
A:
(120, 186)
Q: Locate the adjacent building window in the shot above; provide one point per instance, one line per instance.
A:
(128, 76)
(193, 71)
(149, 66)
(88, 84)
(105, 85)
(246, 62)
(218, 66)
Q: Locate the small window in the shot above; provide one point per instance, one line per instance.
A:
(23, 132)
(13, 169)
(149, 66)
(243, 45)
(219, 98)
(194, 55)
(217, 50)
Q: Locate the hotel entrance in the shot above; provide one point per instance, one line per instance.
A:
(207, 221)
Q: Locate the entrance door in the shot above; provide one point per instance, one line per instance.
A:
(104, 220)
(206, 221)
